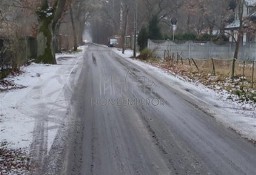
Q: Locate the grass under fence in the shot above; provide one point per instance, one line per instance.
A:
(215, 73)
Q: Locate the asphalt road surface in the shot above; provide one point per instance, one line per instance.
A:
(127, 122)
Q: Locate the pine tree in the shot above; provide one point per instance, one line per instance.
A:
(154, 31)
(143, 38)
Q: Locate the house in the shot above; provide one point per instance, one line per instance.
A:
(249, 13)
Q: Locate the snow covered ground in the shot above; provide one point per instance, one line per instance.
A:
(240, 116)
(34, 113)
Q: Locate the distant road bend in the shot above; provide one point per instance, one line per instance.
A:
(128, 122)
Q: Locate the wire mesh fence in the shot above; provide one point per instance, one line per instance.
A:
(210, 59)
(244, 70)
(203, 50)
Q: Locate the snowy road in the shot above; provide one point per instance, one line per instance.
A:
(127, 122)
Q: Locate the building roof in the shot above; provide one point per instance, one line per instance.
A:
(250, 2)
(234, 25)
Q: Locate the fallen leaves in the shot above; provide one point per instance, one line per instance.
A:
(13, 161)
(240, 88)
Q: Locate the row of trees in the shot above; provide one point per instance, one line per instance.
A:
(194, 16)
(153, 17)
(50, 22)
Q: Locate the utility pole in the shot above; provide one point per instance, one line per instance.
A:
(135, 30)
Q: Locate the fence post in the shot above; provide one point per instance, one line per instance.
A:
(230, 50)
(189, 61)
(26, 45)
(195, 64)
(213, 67)
(243, 75)
(209, 54)
(233, 69)
(253, 73)
(189, 50)
(178, 56)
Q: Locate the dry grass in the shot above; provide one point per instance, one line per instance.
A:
(243, 85)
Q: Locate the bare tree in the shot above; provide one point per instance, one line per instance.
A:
(84, 10)
(49, 15)
(73, 27)
(240, 30)
(124, 18)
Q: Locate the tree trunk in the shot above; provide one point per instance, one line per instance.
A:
(188, 23)
(124, 28)
(79, 32)
(240, 29)
(45, 36)
(239, 37)
(238, 42)
(57, 39)
(73, 28)
(48, 19)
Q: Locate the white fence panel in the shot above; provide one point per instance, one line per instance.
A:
(202, 50)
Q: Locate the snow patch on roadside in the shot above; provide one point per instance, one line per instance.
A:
(42, 100)
(240, 116)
